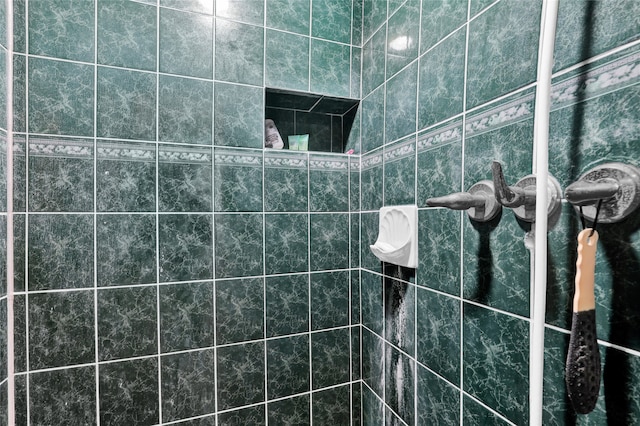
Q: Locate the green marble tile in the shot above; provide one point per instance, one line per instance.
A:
(586, 29)
(241, 375)
(186, 316)
(509, 60)
(331, 20)
(289, 15)
(331, 65)
(356, 22)
(187, 384)
(20, 333)
(330, 358)
(129, 390)
(403, 35)
(329, 300)
(331, 406)
(329, 241)
(356, 71)
(373, 120)
(438, 401)
(400, 110)
(238, 116)
(400, 172)
(186, 43)
(246, 416)
(374, 15)
(19, 251)
(239, 245)
(371, 176)
(239, 52)
(287, 304)
(186, 247)
(442, 81)
(185, 110)
(400, 384)
(287, 366)
(62, 29)
(51, 345)
(373, 62)
(372, 302)
(205, 6)
(127, 324)
(286, 181)
(356, 355)
(355, 240)
(369, 235)
(354, 184)
(126, 249)
(328, 183)
(475, 414)
(477, 6)
(286, 243)
(292, 411)
(51, 84)
(127, 34)
(60, 174)
(249, 11)
(20, 93)
(73, 400)
(238, 180)
(399, 313)
(438, 331)
(19, 26)
(373, 359)
(184, 178)
(439, 250)
(440, 161)
(439, 19)
(126, 104)
(19, 173)
(291, 69)
(125, 176)
(496, 365)
(239, 310)
(60, 252)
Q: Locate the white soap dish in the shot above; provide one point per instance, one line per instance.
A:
(397, 241)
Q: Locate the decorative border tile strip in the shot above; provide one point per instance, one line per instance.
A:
(606, 78)
(184, 154)
(285, 160)
(371, 160)
(126, 151)
(502, 115)
(354, 162)
(440, 136)
(238, 157)
(398, 151)
(64, 148)
(325, 162)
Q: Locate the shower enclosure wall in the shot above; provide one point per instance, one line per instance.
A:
(169, 270)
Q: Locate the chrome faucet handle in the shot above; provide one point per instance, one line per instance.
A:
(521, 197)
(511, 196)
(479, 201)
(616, 184)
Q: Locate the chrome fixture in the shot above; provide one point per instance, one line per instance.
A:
(479, 202)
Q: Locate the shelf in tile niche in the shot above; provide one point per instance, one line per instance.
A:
(327, 120)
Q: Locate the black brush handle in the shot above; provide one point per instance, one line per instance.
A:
(583, 363)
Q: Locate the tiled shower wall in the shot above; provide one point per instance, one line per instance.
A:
(168, 269)
(3, 214)
(447, 87)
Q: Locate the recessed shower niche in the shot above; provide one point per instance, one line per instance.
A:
(327, 120)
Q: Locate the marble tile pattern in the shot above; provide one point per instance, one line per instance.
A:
(240, 52)
(127, 325)
(108, 94)
(287, 304)
(239, 310)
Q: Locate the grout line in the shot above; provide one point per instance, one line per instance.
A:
(157, 217)
(309, 316)
(95, 209)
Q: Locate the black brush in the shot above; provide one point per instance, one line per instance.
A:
(582, 374)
